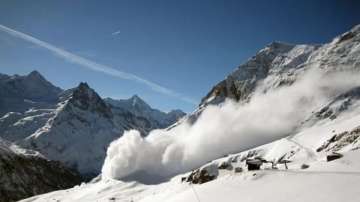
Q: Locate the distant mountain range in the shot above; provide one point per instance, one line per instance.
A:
(72, 126)
(20, 93)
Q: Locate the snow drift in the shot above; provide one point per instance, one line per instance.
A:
(220, 130)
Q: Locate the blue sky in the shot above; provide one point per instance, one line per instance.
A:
(184, 46)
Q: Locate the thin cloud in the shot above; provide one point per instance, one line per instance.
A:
(116, 33)
(92, 65)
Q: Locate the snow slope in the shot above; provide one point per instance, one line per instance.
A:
(19, 125)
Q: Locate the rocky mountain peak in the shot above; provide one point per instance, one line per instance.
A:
(177, 112)
(273, 59)
(35, 74)
(355, 31)
(136, 101)
(20, 93)
(86, 98)
(175, 115)
(35, 79)
(84, 93)
(280, 46)
(83, 86)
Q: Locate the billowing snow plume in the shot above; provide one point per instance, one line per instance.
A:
(220, 130)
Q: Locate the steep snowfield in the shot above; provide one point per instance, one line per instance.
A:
(19, 125)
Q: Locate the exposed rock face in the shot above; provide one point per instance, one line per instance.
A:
(85, 98)
(274, 58)
(24, 173)
(342, 140)
(333, 156)
(339, 105)
(203, 175)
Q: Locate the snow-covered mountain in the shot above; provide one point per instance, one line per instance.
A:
(24, 173)
(280, 64)
(293, 136)
(84, 125)
(152, 118)
(78, 133)
(19, 93)
(74, 126)
(274, 59)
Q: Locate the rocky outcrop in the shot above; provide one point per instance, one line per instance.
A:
(202, 175)
(26, 174)
(342, 140)
(85, 98)
(337, 106)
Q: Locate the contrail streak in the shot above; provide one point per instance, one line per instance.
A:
(70, 57)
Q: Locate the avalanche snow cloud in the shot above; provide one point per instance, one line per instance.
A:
(221, 130)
